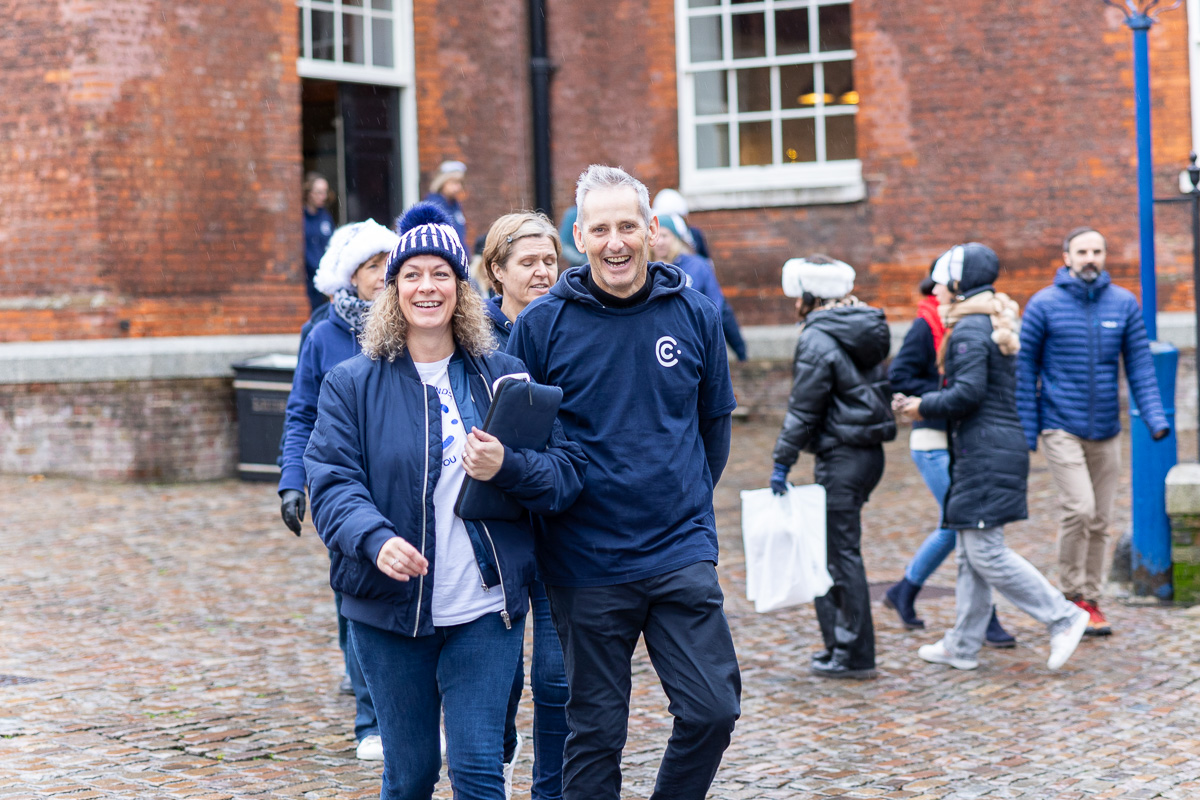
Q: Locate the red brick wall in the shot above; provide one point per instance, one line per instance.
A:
(155, 171)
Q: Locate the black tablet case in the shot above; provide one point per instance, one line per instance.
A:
(521, 417)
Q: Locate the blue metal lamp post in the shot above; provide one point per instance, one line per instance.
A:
(1151, 547)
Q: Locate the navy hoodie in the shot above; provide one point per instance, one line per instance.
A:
(641, 386)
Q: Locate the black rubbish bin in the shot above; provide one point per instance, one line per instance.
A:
(262, 385)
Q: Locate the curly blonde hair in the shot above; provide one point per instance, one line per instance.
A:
(503, 235)
(386, 330)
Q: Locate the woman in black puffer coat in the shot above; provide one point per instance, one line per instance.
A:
(989, 462)
(838, 410)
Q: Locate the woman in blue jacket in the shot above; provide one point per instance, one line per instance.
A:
(520, 257)
(351, 272)
(436, 603)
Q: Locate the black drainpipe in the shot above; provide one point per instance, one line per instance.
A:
(539, 78)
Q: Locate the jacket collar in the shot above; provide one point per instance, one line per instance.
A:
(664, 279)
(1081, 289)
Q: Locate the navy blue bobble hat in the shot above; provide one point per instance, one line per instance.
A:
(426, 230)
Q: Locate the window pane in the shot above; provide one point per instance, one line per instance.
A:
(381, 43)
(791, 32)
(839, 84)
(749, 36)
(712, 146)
(382, 5)
(840, 140)
(703, 3)
(835, 27)
(796, 86)
(322, 35)
(352, 3)
(754, 89)
(754, 143)
(705, 36)
(300, 28)
(354, 48)
(799, 140)
(712, 93)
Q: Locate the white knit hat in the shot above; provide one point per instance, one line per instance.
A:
(349, 247)
(827, 280)
(670, 201)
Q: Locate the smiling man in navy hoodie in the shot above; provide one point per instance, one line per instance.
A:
(646, 392)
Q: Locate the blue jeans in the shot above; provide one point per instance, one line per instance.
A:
(934, 466)
(466, 672)
(365, 723)
(549, 681)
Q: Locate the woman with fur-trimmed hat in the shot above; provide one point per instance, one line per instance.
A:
(351, 273)
(839, 411)
(989, 462)
(436, 603)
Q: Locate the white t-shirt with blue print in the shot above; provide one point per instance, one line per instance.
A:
(458, 593)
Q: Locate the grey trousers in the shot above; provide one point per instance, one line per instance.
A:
(986, 563)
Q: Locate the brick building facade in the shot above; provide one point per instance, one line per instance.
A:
(154, 158)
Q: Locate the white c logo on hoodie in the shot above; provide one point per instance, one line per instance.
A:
(665, 350)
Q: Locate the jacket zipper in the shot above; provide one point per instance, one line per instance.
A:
(424, 516)
(1091, 363)
(503, 594)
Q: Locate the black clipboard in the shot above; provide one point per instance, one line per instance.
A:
(521, 416)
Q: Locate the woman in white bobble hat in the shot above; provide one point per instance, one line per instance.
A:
(351, 272)
(839, 410)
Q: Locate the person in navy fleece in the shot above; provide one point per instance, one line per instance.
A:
(646, 392)
(1072, 336)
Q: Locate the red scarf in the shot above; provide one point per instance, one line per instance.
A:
(928, 311)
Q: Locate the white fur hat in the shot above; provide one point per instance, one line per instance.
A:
(827, 280)
(349, 247)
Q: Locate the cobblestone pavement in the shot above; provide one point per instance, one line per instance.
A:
(183, 645)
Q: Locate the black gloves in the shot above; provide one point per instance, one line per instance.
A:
(1160, 434)
(779, 479)
(291, 508)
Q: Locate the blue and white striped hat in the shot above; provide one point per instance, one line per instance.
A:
(426, 230)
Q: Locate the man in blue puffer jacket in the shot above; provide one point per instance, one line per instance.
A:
(1072, 336)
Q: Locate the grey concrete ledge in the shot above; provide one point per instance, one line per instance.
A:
(161, 358)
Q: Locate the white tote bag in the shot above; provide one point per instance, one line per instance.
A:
(784, 539)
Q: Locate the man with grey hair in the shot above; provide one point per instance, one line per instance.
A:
(646, 389)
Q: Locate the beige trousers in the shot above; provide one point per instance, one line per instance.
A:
(1086, 473)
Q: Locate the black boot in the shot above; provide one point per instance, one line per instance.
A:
(996, 636)
(900, 599)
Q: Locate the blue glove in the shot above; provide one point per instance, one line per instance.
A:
(779, 483)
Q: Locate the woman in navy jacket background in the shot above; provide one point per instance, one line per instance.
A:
(436, 603)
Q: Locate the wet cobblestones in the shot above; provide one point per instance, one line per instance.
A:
(184, 646)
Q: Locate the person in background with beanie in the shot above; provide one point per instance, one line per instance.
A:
(447, 190)
(839, 411)
(351, 271)
(1073, 335)
(647, 394)
(520, 260)
(318, 227)
(989, 463)
(436, 603)
(914, 371)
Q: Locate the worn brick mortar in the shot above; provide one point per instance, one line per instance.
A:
(170, 430)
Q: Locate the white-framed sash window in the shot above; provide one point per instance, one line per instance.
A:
(767, 103)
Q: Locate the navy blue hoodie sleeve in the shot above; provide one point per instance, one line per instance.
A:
(545, 482)
(1029, 366)
(716, 386)
(914, 369)
(342, 508)
(1139, 368)
(716, 433)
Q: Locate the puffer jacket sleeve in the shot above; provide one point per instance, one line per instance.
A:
(1139, 367)
(343, 511)
(546, 482)
(812, 386)
(1029, 366)
(301, 415)
(968, 378)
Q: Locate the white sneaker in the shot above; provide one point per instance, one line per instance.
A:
(1063, 644)
(510, 767)
(442, 736)
(370, 749)
(936, 654)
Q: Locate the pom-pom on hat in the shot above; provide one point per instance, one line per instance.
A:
(349, 248)
(670, 201)
(822, 277)
(426, 230)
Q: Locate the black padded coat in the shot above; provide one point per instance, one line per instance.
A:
(840, 392)
(989, 461)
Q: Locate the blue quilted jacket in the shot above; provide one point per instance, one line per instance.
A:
(1072, 335)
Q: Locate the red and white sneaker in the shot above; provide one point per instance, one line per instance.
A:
(1097, 624)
